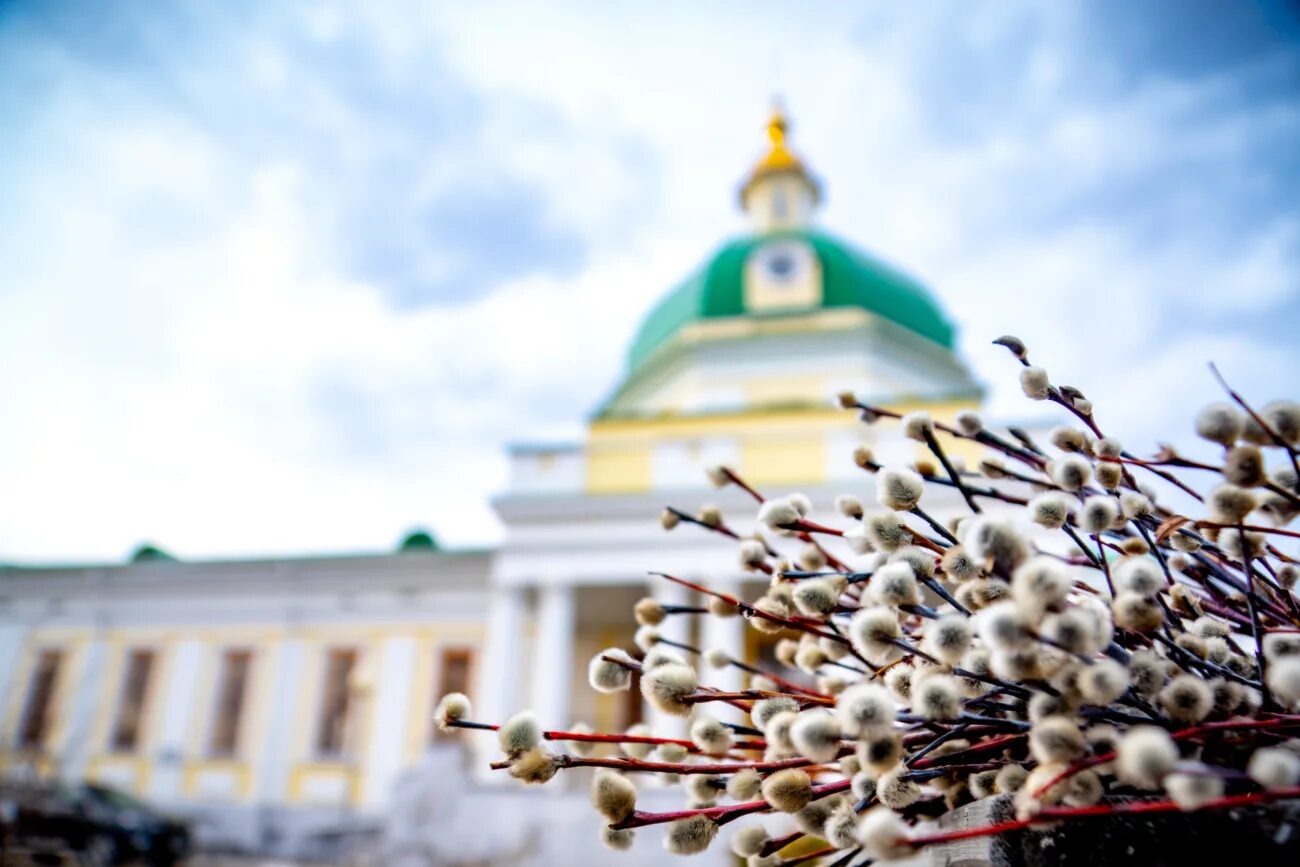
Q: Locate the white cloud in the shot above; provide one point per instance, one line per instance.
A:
(201, 344)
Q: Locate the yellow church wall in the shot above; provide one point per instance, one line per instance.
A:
(618, 467)
(73, 643)
(774, 390)
(427, 687)
(235, 775)
(310, 772)
(129, 769)
(776, 447)
(783, 460)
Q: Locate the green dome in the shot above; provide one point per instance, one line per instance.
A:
(418, 540)
(148, 552)
(850, 278)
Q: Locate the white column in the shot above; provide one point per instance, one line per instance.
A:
(676, 627)
(725, 633)
(391, 697)
(176, 703)
(81, 714)
(497, 695)
(278, 750)
(553, 656)
(12, 691)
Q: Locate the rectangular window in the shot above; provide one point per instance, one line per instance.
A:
(331, 730)
(35, 725)
(132, 701)
(455, 674)
(231, 690)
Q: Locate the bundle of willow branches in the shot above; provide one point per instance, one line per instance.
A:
(1069, 639)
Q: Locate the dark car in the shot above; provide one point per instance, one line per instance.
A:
(101, 826)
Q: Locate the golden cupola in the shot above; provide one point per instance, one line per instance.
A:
(780, 192)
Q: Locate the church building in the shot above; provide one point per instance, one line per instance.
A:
(278, 700)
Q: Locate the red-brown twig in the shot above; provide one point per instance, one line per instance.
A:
(1050, 813)
(721, 815)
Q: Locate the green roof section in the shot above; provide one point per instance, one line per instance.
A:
(850, 278)
(148, 552)
(419, 540)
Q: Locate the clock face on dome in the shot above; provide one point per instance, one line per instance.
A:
(782, 274)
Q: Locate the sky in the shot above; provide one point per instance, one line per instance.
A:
(285, 278)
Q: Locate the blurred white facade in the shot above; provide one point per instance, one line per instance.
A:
(284, 703)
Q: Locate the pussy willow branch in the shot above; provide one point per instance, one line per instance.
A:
(1278, 722)
(1264, 426)
(721, 815)
(1050, 813)
(681, 768)
(932, 443)
(986, 438)
(605, 737)
(751, 611)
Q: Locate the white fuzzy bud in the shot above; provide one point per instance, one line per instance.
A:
(899, 489)
(789, 790)
(753, 554)
(1135, 505)
(776, 514)
(613, 795)
(883, 834)
(1068, 439)
(937, 697)
(534, 766)
(1139, 575)
(1145, 755)
(1230, 504)
(1103, 682)
(666, 686)
(649, 612)
(1035, 383)
(1056, 739)
(989, 537)
(1274, 768)
(816, 735)
(885, 531)
(744, 785)
(719, 475)
(894, 584)
(858, 540)
(1071, 472)
(1283, 677)
(949, 637)
(749, 840)
(1002, 627)
(691, 835)
(1050, 510)
(765, 709)
(865, 708)
(1191, 791)
(452, 707)
(1040, 584)
(816, 597)
(897, 792)
(1098, 514)
(873, 630)
(711, 736)
(917, 424)
(618, 840)
(969, 423)
(520, 733)
(1283, 416)
(1220, 423)
(849, 506)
